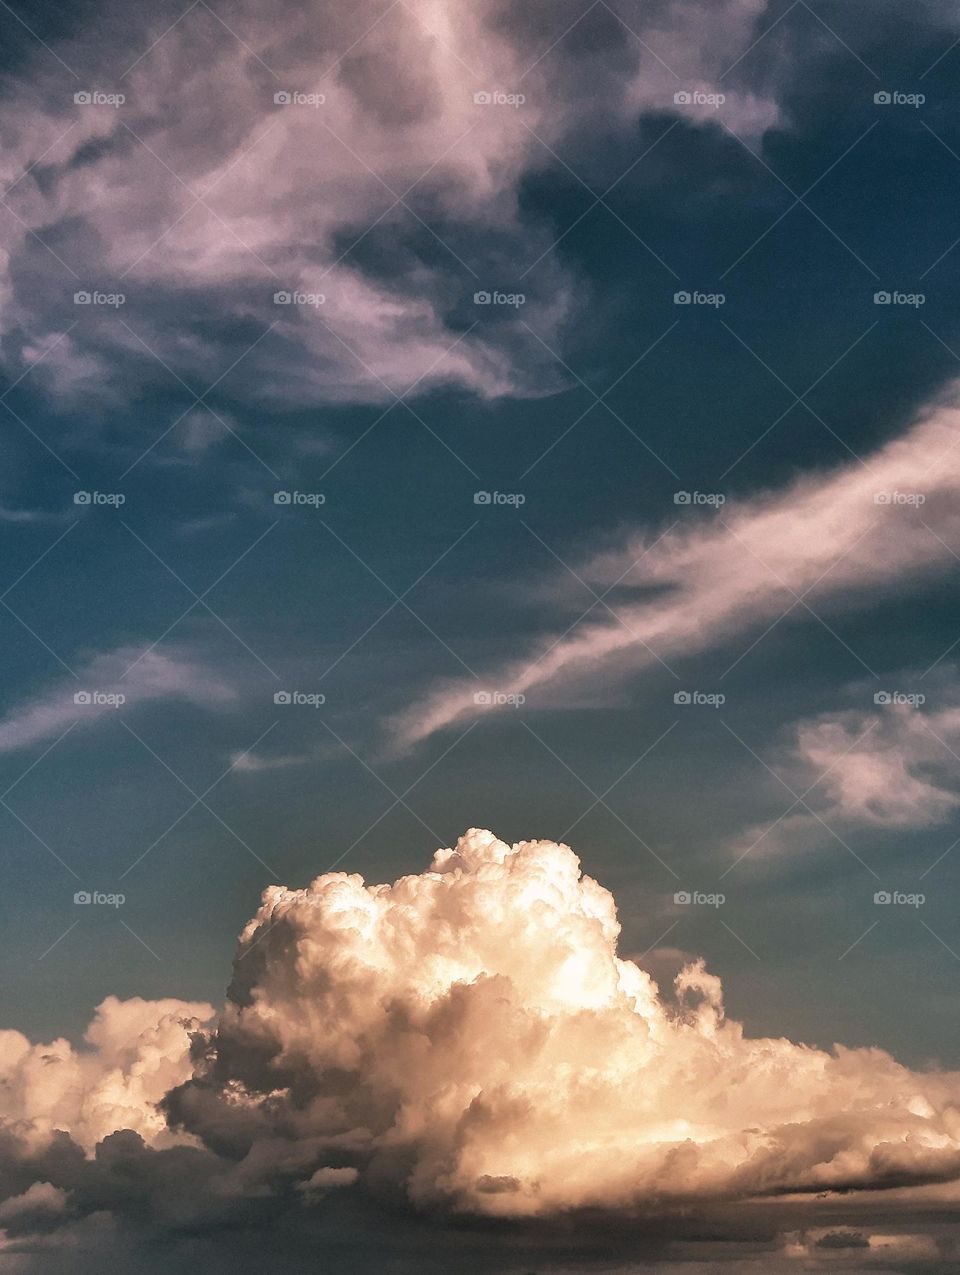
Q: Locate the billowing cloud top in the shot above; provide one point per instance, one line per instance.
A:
(138, 1050)
(463, 1041)
(470, 1037)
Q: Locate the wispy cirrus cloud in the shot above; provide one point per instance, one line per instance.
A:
(126, 676)
(194, 194)
(21, 516)
(830, 541)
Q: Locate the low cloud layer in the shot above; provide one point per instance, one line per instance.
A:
(471, 1035)
(465, 1040)
(468, 1038)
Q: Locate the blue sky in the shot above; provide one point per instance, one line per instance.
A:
(804, 398)
(633, 399)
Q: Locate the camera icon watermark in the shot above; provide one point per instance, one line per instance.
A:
(699, 898)
(314, 299)
(712, 299)
(98, 898)
(898, 898)
(512, 498)
(294, 97)
(893, 97)
(113, 498)
(914, 300)
(499, 699)
(312, 499)
(99, 699)
(696, 97)
(112, 299)
(496, 97)
(513, 299)
(310, 699)
(713, 498)
(911, 700)
(710, 699)
(914, 498)
(93, 97)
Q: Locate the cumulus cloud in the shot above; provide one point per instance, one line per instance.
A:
(326, 1179)
(825, 538)
(134, 1052)
(466, 1042)
(468, 1037)
(39, 1202)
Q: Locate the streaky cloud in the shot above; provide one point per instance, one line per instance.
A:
(834, 540)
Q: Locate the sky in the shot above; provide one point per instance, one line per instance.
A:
(537, 418)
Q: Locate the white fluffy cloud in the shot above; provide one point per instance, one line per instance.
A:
(135, 1051)
(469, 1036)
(465, 1040)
